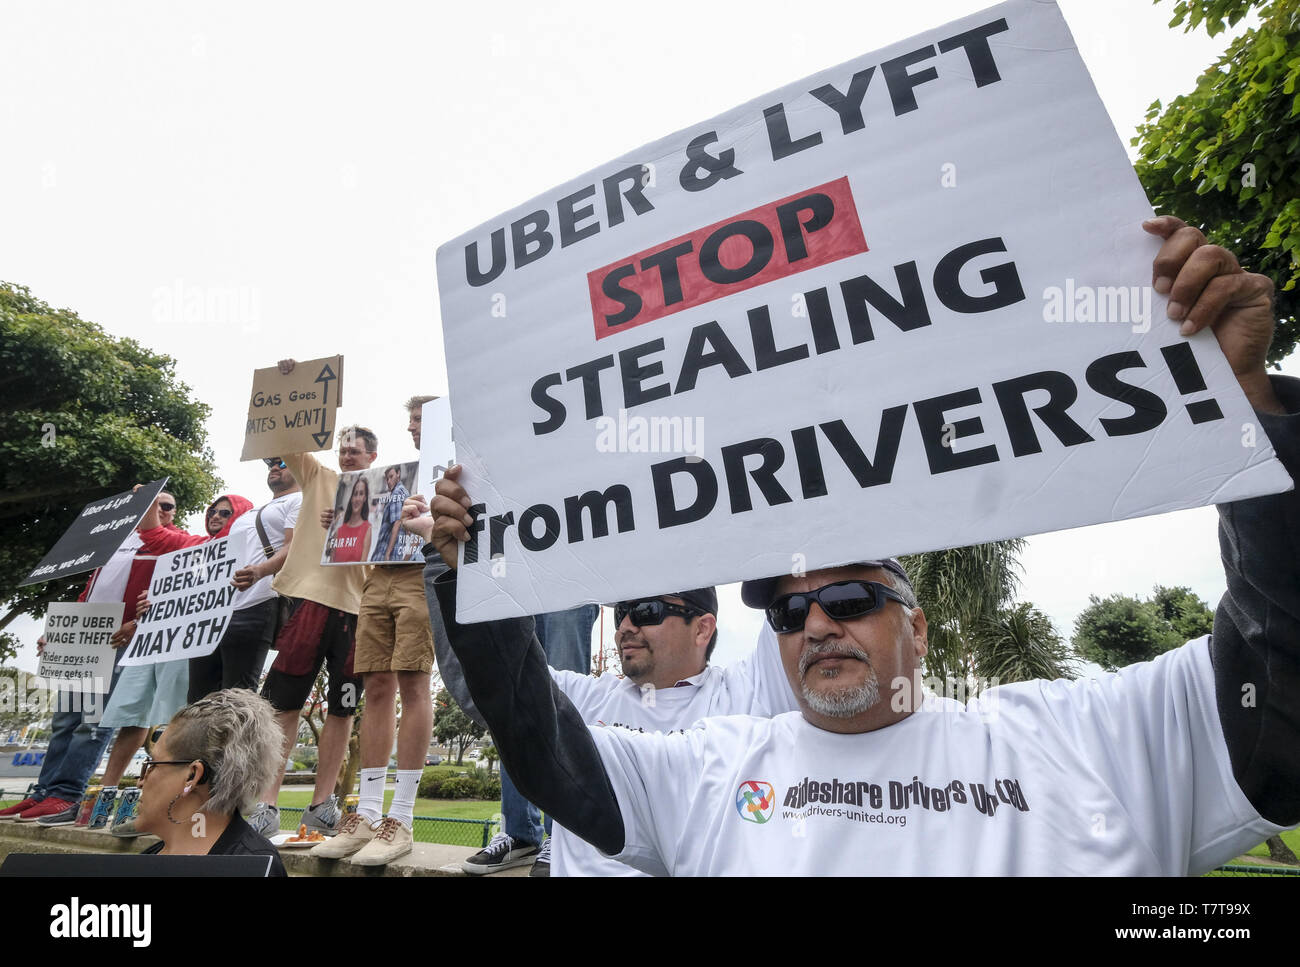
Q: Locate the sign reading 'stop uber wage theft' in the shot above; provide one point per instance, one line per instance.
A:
(902, 305)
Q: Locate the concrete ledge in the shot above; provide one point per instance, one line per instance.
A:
(426, 859)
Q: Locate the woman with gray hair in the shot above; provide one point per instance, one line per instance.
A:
(209, 763)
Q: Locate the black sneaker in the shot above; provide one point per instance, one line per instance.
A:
(542, 865)
(65, 818)
(502, 853)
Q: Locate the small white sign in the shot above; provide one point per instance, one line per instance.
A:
(437, 449)
(77, 655)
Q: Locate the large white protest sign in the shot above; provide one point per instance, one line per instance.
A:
(191, 600)
(78, 656)
(902, 305)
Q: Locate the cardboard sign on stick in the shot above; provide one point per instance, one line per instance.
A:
(367, 511)
(77, 655)
(899, 306)
(294, 413)
(98, 531)
(191, 600)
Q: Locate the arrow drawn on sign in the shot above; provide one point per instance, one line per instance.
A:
(322, 378)
(326, 375)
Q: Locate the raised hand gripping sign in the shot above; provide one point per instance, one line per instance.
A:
(901, 305)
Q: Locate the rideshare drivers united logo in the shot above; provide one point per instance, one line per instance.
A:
(755, 800)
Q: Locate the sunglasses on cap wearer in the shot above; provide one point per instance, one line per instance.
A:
(652, 611)
(223, 513)
(274, 462)
(841, 601)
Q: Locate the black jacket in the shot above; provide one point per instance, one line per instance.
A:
(240, 839)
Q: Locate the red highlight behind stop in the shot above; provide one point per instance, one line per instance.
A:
(776, 240)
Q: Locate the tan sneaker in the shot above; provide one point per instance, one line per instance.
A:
(353, 835)
(392, 841)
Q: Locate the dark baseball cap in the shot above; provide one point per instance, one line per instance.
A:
(705, 599)
(759, 594)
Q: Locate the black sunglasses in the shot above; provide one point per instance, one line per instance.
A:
(274, 462)
(222, 513)
(165, 506)
(841, 601)
(651, 611)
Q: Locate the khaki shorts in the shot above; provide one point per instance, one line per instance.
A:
(393, 633)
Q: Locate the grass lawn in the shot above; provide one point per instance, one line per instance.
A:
(1291, 837)
(300, 798)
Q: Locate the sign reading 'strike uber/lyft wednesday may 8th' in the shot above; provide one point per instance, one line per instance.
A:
(902, 305)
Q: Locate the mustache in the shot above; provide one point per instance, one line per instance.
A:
(626, 637)
(828, 650)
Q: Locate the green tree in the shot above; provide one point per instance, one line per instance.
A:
(960, 590)
(1223, 156)
(82, 415)
(1188, 615)
(1020, 644)
(452, 725)
(1119, 630)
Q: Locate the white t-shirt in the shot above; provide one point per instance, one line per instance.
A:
(755, 686)
(278, 516)
(110, 582)
(1123, 775)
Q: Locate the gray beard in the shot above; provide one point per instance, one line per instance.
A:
(843, 702)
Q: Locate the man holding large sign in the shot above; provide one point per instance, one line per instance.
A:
(929, 256)
(1169, 767)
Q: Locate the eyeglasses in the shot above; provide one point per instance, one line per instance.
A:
(274, 462)
(150, 764)
(223, 514)
(651, 611)
(163, 506)
(841, 601)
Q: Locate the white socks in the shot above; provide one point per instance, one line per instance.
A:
(403, 807)
(371, 805)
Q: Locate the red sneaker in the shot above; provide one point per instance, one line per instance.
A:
(13, 811)
(46, 807)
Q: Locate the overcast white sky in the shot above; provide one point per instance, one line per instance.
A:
(292, 167)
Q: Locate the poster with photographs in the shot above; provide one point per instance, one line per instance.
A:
(367, 512)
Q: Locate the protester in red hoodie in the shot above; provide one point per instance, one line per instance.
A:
(147, 695)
